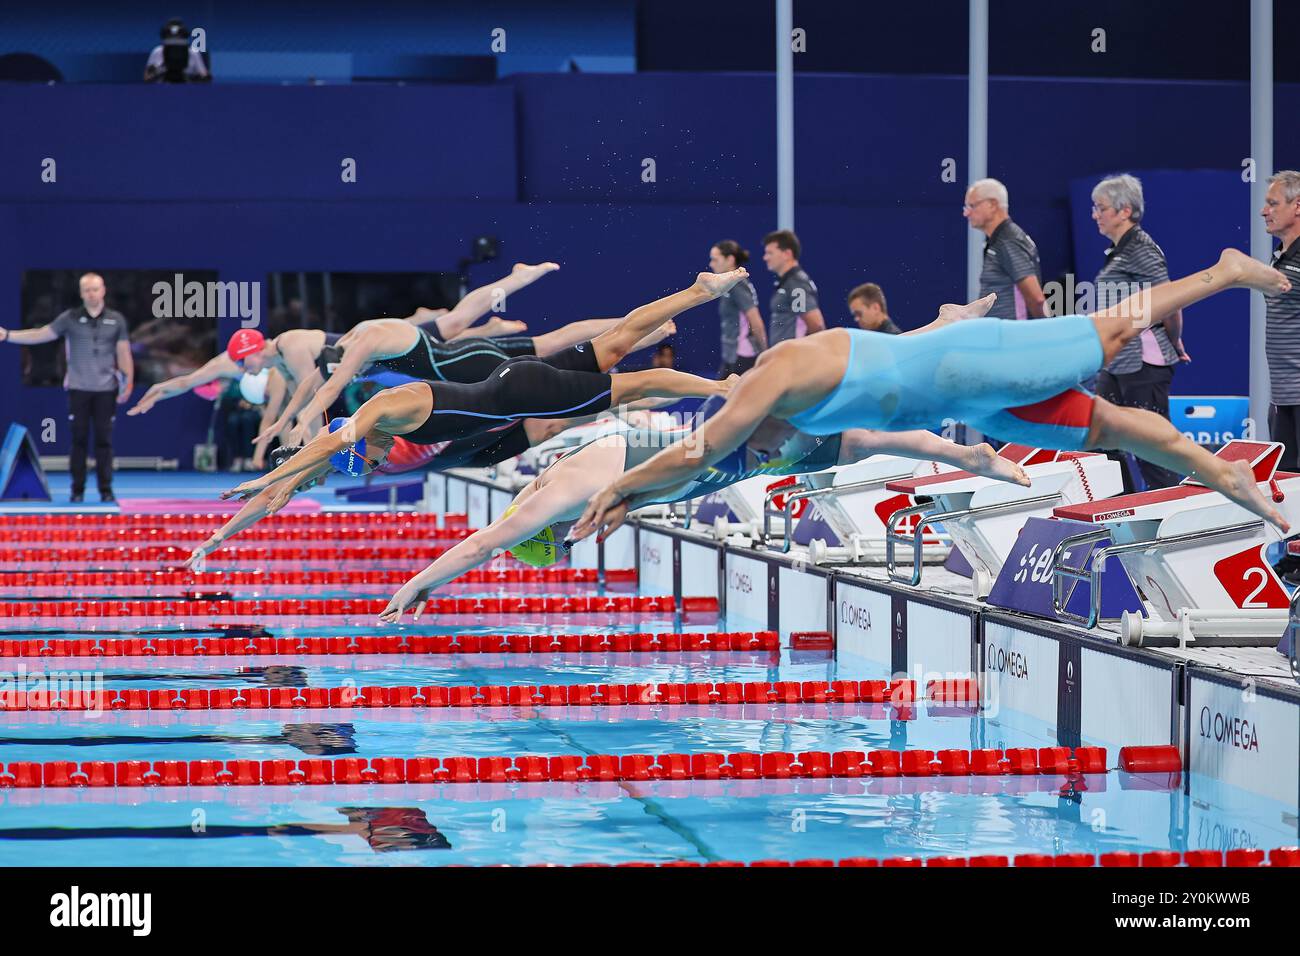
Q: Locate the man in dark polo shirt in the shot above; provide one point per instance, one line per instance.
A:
(1011, 268)
(98, 349)
(871, 313)
(1281, 214)
(795, 310)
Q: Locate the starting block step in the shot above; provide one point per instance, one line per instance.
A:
(386, 492)
(21, 476)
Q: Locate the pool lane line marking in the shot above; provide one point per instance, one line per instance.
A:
(253, 640)
(900, 695)
(1055, 762)
(80, 609)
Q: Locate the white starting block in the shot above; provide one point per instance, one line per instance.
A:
(854, 502)
(1195, 557)
(984, 516)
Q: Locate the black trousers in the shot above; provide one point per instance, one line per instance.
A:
(1146, 388)
(86, 407)
(1284, 426)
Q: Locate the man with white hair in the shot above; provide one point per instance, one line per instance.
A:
(1281, 214)
(1139, 377)
(1011, 267)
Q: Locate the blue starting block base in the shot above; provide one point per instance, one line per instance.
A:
(1025, 583)
(382, 493)
(1211, 420)
(711, 508)
(21, 476)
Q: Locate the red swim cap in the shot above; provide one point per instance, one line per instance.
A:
(244, 343)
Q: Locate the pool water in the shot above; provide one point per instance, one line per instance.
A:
(557, 822)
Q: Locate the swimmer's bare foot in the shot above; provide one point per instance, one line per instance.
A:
(727, 384)
(538, 270)
(499, 326)
(951, 312)
(983, 460)
(1243, 272)
(1238, 484)
(716, 284)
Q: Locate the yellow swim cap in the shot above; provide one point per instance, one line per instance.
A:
(539, 550)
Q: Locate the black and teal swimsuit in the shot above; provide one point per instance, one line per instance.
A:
(800, 454)
(433, 360)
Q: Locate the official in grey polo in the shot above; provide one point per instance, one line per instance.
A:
(796, 311)
(100, 375)
(1011, 268)
(1281, 214)
(1140, 375)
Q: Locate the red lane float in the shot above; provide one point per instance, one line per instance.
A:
(297, 607)
(1279, 857)
(915, 762)
(120, 536)
(1159, 759)
(501, 769)
(666, 642)
(325, 519)
(323, 577)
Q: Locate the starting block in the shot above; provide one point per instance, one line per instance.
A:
(852, 503)
(984, 516)
(391, 493)
(21, 476)
(1196, 558)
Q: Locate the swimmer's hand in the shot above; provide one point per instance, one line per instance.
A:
(281, 498)
(604, 513)
(299, 435)
(410, 593)
(262, 440)
(196, 559)
(246, 490)
(147, 401)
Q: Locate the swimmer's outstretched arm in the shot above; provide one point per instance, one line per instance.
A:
(302, 394)
(275, 389)
(267, 502)
(748, 404)
(535, 509)
(210, 371)
(355, 358)
(398, 403)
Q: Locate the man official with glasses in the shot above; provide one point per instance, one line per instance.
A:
(1011, 266)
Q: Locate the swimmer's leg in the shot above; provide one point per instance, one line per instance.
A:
(981, 459)
(1154, 439)
(613, 345)
(585, 330)
(1234, 270)
(479, 302)
(494, 327)
(662, 383)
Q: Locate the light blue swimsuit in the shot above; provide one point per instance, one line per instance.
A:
(968, 371)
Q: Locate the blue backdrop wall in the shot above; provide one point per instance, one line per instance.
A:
(246, 180)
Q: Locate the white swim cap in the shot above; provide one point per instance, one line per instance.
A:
(253, 387)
